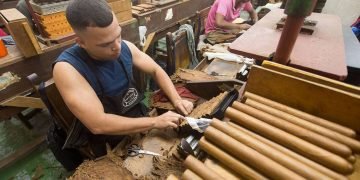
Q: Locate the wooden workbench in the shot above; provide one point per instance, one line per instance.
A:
(167, 16)
(322, 52)
(165, 19)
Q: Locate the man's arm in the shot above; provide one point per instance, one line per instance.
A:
(221, 23)
(253, 15)
(143, 62)
(83, 102)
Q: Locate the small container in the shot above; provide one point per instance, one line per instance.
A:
(3, 49)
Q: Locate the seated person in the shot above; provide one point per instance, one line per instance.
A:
(94, 77)
(219, 24)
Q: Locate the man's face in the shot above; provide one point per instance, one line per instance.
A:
(102, 43)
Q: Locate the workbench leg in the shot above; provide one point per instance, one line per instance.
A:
(25, 118)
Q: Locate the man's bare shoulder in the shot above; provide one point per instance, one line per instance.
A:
(132, 47)
(129, 43)
(64, 74)
(63, 69)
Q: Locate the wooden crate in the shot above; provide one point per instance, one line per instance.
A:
(120, 5)
(316, 95)
(335, 101)
(124, 16)
(21, 32)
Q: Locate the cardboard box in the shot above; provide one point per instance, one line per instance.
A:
(120, 5)
(124, 16)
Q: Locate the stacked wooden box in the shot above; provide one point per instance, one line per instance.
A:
(142, 8)
(52, 19)
(55, 25)
(122, 9)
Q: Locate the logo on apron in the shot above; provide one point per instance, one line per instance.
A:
(130, 97)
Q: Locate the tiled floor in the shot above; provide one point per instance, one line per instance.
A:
(41, 164)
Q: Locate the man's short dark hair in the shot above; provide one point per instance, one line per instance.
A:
(88, 13)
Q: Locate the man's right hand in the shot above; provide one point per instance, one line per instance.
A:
(168, 119)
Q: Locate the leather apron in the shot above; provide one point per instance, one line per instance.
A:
(127, 103)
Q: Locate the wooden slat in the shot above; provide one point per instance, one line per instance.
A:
(148, 41)
(147, 6)
(7, 112)
(135, 12)
(22, 152)
(320, 100)
(163, 2)
(32, 37)
(12, 14)
(141, 9)
(22, 101)
(311, 77)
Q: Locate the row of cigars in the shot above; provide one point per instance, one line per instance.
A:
(268, 140)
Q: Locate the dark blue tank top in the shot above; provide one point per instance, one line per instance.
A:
(110, 73)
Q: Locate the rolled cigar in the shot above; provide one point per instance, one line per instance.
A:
(172, 177)
(352, 143)
(200, 169)
(294, 155)
(240, 168)
(265, 165)
(272, 153)
(221, 169)
(352, 159)
(189, 175)
(308, 117)
(305, 134)
(290, 141)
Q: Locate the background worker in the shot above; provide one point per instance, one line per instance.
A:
(219, 23)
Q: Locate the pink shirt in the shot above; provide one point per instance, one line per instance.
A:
(227, 9)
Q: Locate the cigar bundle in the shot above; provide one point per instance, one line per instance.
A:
(268, 140)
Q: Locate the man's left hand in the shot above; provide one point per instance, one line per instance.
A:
(184, 106)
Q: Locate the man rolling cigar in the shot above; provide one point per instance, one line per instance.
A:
(219, 24)
(94, 77)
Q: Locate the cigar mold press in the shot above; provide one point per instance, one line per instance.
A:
(283, 129)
